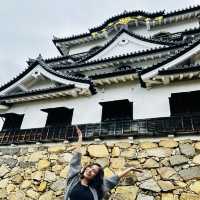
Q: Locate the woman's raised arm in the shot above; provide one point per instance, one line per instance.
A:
(75, 163)
(80, 139)
(126, 171)
(111, 182)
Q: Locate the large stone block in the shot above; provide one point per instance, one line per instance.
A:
(57, 149)
(151, 163)
(189, 196)
(150, 185)
(117, 163)
(4, 194)
(178, 160)
(47, 196)
(123, 145)
(18, 195)
(98, 151)
(197, 146)
(129, 154)
(4, 183)
(166, 185)
(168, 143)
(49, 176)
(3, 170)
(43, 164)
(190, 173)
(196, 159)
(187, 149)
(25, 184)
(36, 156)
(143, 175)
(148, 145)
(167, 196)
(159, 152)
(116, 152)
(127, 192)
(166, 172)
(104, 162)
(32, 194)
(37, 175)
(195, 187)
(59, 185)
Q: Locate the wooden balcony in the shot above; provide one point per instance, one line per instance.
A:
(155, 127)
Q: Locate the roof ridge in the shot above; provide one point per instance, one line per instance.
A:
(128, 14)
(137, 36)
(33, 64)
(49, 89)
(172, 57)
(138, 53)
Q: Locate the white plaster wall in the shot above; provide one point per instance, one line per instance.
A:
(42, 84)
(155, 102)
(118, 48)
(146, 103)
(1, 123)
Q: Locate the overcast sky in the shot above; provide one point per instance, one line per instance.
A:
(27, 26)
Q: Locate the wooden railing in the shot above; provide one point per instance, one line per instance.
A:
(155, 127)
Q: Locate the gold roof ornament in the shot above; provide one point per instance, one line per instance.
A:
(124, 21)
(160, 18)
(94, 34)
(104, 30)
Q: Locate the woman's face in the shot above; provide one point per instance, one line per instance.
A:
(91, 171)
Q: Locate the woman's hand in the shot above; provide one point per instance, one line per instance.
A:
(126, 171)
(80, 138)
(135, 169)
(79, 133)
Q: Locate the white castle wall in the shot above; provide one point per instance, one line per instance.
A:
(119, 48)
(147, 103)
(1, 123)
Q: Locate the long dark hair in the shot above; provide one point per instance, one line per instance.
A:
(97, 181)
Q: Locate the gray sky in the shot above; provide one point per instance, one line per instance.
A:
(28, 26)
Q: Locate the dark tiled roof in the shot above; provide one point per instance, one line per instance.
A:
(55, 40)
(182, 11)
(36, 92)
(153, 41)
(128, 14)
(180, 53)
(114, 73)
(120, 57)
(33, 63)
(180, 69)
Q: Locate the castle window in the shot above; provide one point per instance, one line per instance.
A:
(117, 110)
(12, 121)
(59, 116)
(185, 103)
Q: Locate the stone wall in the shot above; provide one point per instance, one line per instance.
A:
(171, 169)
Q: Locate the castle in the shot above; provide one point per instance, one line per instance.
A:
(137, 74)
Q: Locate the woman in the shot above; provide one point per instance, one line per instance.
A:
(88, 183)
